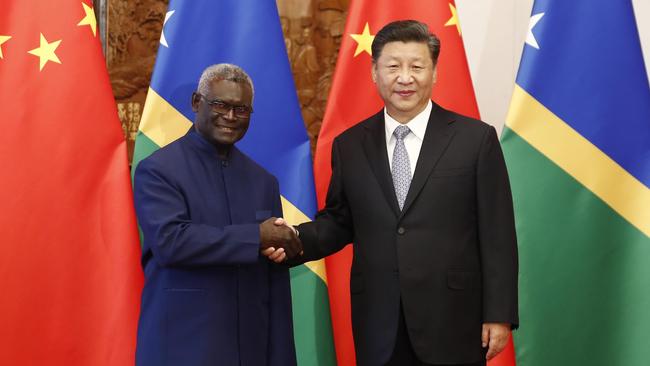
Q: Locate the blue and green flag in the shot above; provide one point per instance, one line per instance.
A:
(577, 145)
(247, 33)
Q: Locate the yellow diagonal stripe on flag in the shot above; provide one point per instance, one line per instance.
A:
(294, 216)
(580, 158)
(161, 122)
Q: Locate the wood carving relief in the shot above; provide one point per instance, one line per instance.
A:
(312, 31)
(133, 34)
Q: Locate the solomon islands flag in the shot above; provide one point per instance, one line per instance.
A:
(577, 145)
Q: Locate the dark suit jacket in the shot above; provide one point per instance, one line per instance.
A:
(209, 297)
(450, 255)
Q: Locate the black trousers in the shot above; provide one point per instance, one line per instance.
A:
(403, 354)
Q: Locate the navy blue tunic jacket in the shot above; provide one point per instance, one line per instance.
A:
(209, 297)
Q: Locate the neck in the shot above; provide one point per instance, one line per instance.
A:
(222, 150)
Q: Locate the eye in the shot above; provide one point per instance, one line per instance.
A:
(241, 109)
(219, 104)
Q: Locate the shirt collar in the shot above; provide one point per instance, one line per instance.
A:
(204, 145)
(418, 125)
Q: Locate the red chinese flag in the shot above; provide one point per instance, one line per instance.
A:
(69, 246)
(354, 97)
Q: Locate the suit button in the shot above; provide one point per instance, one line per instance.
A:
(401, 230)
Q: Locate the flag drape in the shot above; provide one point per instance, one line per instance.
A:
(577, 145)
(69, 259)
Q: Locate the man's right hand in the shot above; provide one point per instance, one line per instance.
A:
(279, 236)
(275, 255)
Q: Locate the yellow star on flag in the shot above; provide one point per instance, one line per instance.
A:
(454, 18)
(364, 41)
(89, 19)
(3, 39)
(46, 52)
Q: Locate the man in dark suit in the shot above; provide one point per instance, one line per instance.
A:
(423, 193)
(210, 295)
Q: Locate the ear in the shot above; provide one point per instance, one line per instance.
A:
(435, 74)
(196, 98)
(373, 72)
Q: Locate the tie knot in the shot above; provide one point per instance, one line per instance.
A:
(401, 132)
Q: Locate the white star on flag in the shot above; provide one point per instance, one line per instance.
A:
(530, 37)
(163, 40)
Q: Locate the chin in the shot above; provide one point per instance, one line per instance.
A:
(406, 108)
(228, 141)
(224, 142)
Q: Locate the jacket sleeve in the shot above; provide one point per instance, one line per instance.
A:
(173, 238)
(332, 229)
(281, 349)
(497, 237)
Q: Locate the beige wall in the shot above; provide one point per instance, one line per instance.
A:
(494, 32)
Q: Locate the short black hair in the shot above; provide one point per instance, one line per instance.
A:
(405, 31)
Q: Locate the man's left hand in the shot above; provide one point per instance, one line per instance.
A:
(495, 335)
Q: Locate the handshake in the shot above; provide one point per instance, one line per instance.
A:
(278, 240)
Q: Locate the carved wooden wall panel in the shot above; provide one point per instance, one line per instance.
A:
(132, 36)
(312, 31)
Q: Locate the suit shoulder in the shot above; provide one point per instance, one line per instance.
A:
(163, 156)
(468, 123)
(468, 127)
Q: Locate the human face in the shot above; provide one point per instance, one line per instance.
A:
(222, 130)
(404, 74)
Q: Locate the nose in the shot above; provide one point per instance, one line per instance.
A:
(230, 115)
(404, 76)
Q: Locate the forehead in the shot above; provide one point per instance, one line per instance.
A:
(412, 51)
(228, 90)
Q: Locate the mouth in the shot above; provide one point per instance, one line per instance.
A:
(405, 93)
(226, 129)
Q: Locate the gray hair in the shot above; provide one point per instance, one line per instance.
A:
(224, 71)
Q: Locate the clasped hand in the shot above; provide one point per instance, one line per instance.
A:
(278, 240)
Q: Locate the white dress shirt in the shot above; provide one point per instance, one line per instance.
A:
(412, 141)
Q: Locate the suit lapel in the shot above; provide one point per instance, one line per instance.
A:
(374, 145)
(438, 134)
